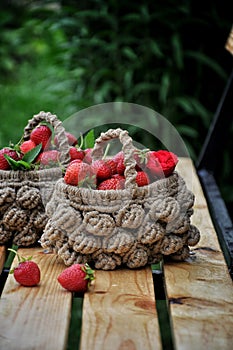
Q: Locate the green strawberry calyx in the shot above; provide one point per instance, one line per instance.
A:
(21, 259)
(89, 273)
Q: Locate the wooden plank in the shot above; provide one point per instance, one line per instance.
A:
(2, 257)
(38, 317)
(119, 313)
(200, 290)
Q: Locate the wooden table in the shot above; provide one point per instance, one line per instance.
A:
(120, 312)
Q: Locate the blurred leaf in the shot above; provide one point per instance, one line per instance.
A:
(129, 53)
(208, 61)
(177, 50)
(164, 87)
(187, 131)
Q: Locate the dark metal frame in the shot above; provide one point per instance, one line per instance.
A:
(207, 165)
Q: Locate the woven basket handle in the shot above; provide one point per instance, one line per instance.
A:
(128, 151)
(59, 131)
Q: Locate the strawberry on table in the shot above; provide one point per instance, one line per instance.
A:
(27, 273)
(76, 278)
(41, 134)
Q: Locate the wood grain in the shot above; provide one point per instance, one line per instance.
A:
(200, 290)
(119, 313)
(38, 317)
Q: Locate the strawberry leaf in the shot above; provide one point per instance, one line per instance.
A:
(13, 163)
(89, 139)
(23, 165)
(17, 164)
(31, 155)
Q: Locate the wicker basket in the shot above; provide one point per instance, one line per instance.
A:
(24, 193)
(132, 227)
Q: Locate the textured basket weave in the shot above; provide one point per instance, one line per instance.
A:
(133, 227)
(24, 194)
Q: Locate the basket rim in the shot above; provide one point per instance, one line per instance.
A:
(41, 174)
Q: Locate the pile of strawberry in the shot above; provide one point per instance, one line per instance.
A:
(39, 151)
(108, 174)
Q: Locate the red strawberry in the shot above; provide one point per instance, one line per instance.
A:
(88, 157)
(101, 170)
(41, 134)
(142, 179)
(50, 157)
(26, 146)
(153, 165)
(113, 165)
(76, 153)
(167, 161)
(77, 173)
(27, 273)
(76, 278)
(4, 165)
(118, 156)
(72, 141)
(119, 159)
(121, 179)
(110, 184)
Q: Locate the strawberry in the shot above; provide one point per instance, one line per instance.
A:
(41, 134)
(121, 179)
(142, 179)
(112, 164)
(4, 165)
(72, 140)
(110, 184)
(161, 163)
(78, 173)
(88, 157)
(50, 157)
(119, 159)
(27, 273)
(153, 166)
(76, 278)
(27, 146)
(101, 169)
(76, 153)
(167, 161)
